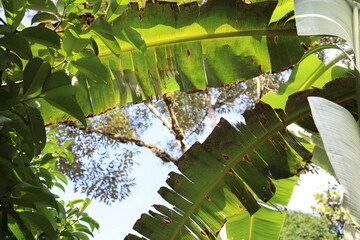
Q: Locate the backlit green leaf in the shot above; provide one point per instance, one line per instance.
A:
(36, 125)
(115, 9)
(43, 17)
(56, 80)
(39, 222)
(14, 12)
(92, 68)
(35, 74)
(42, 36)
(17, 44)
(75, 40)
(65, 103)
(131, 36)
(103, 30)
(42, 5)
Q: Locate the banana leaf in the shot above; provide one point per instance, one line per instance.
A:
(231, 171)
(189, 47)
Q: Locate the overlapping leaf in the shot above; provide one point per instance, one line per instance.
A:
(232, 169)
(189, 47)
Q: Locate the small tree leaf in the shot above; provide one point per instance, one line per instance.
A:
(92, 68)
(56, 80)
(82, 228)
(92, 223)
(7, 100)
(104, 31)
(81, 236)
(42, 36)
(37, 129)
(94, 46)
(43, 17)
(39, 194)
(131, 36)
(17, 44)
(14, 12)
(74, 40)
(96, 6)
(60, 176)
(115, 9)
(15, 229)
(65, 103)
(35, 74)
(39, 222)
(42, 5)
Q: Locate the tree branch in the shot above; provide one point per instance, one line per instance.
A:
(163, 155)
(159, 116)
(179, 134)
(210, 109)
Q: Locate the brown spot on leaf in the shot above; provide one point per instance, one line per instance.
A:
(299, 169)
(262, 119)
(276, 40)
(208, 198)
(238, 206)
(226, 157)
(260, 68)
(246, 159)
(167, 220)
(272, 187)
(177, 181)
(252, 59)
(231, 172)
(188, 53)
(304, 46)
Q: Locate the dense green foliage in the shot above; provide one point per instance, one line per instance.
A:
(305, 226)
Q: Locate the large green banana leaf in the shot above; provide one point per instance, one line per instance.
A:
(189, 47)
(231, 170)
(268, 221)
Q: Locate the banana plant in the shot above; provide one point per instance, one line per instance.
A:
(338, 128)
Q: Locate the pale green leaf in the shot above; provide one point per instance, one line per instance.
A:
(325, 17)
(341, 137)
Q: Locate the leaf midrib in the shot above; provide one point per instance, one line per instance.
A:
(265, 32)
